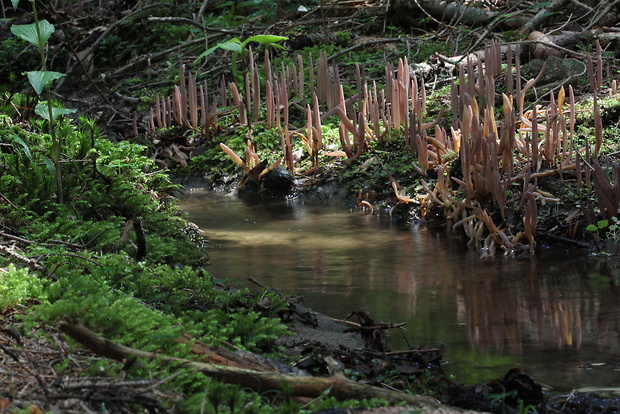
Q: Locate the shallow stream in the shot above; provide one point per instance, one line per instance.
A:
(554, 314)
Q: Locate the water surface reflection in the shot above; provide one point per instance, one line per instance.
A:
(554, 314)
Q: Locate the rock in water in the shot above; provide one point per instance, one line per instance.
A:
(274, 184)
(277, 182)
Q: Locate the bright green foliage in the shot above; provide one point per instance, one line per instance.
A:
(26, 168)
(236, 45)
(105, 291)
(146, 305)
(192, 296)
(104, 180)
(243, 328)
(225, 398)
(368, 173)
(17, 286)
(217, 164)
(114, 314)
(149, 310)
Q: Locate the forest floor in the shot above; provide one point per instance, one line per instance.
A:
(30, 370)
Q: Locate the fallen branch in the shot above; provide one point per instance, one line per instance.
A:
(10, 251)
(543, 14)
(338, 385)
(452, 10)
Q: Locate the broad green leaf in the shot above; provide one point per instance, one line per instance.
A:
(591, 227)
(28, 32)
(232, 44)
(39, 79)
(42, 110)
(15, 3)
(602, 224)
(207, 52)
(264, 39)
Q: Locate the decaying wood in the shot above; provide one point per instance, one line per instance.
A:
(564, 44)
(453, 11)
(475, 56)
(303, 386)
(559, 45)
(223, 356)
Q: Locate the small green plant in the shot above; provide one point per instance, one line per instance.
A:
(37, 34)
(512, 395)
(240, 49)
(611, 231)
(600, 225)
(614, 229)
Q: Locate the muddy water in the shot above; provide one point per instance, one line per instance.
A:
(555, 315)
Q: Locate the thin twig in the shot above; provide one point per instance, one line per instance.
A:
(8, 201)
(16, 238)
(160, 55)
(184, 20)
(74, 255)
(604, 12)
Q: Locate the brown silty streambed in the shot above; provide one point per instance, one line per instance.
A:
(554, 314)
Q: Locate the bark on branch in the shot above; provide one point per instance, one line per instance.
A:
(452, 11)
